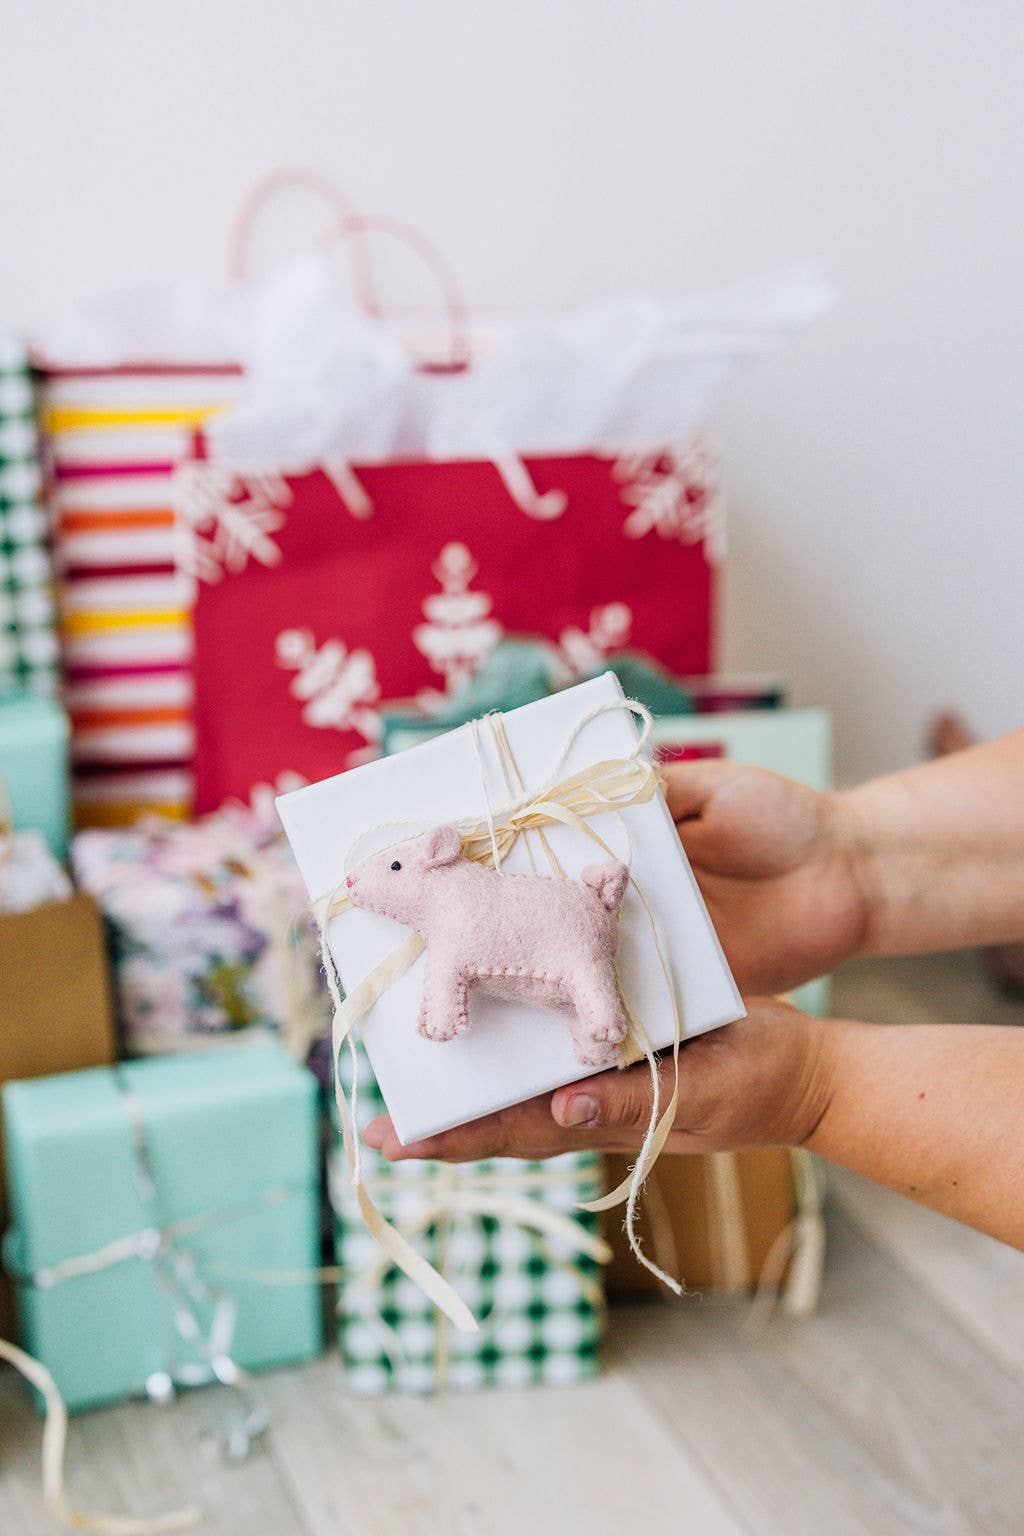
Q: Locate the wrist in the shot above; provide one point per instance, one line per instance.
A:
(848, 1043)
(855, 842)
(816, 1085)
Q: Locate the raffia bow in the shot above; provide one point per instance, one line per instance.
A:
(610, 786)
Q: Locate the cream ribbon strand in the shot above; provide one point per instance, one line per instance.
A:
(55, 1430)
(607, 787)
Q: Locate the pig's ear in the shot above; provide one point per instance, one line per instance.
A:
(441, 846)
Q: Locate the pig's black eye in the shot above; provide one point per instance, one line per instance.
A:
(396, 865)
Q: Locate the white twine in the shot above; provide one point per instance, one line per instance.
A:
(488, 813)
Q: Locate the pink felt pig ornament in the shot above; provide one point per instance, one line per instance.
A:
(527, 938)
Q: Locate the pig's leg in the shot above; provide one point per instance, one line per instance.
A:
(600, 1022)
(444, 1009)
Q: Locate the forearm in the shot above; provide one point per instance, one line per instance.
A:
(938, 851)
(934, 1111)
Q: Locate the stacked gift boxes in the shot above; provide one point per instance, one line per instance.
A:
(204, 654)
(196, 915)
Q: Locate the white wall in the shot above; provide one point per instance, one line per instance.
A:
(565, 148)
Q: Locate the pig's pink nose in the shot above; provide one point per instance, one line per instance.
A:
(349, 881)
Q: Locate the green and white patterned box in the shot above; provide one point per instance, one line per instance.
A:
(538, 1299)
(28, 633)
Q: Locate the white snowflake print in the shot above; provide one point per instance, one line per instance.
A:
(676, 493)
(338, 687)
(225, 519)
(459, 633)
(583, 652)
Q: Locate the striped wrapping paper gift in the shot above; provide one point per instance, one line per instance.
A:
(114, 437)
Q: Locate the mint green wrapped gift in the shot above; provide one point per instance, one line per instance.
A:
(148, 1203)
(34, 765)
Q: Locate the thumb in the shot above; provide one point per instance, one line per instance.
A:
(689, 786)
(612, 1100)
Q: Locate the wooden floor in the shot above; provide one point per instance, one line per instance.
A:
(898, 1409)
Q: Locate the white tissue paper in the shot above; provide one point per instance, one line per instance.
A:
(326, 383)
(511, 1051)
(177, 324)
(29, 873)
(323, 381)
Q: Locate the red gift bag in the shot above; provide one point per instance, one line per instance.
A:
(322, 594)
(318, 599)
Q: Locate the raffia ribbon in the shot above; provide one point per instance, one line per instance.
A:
(55, 1431)
(607, 787)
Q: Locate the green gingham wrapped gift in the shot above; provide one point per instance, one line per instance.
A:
(28, 635)
(537, 1297)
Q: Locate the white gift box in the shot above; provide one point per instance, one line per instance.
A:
(511, 1051)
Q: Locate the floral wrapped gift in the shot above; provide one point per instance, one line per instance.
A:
(209, 930)
(505, 1233)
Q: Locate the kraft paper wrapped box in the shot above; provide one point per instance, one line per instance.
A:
(535, 1289)
(723, 1221)
(52, 1018)
(142, 1197)
(512, 1051)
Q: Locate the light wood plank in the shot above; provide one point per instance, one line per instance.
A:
(878, 1417)
(140, 1459)
(594, 1458)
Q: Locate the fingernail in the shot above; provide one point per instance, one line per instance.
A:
(580, 1110)
(373, 1135)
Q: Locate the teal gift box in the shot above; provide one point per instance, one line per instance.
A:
(151, 1204)
(34, 736)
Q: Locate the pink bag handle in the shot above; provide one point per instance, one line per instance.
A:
(288, 179)
(352, 226)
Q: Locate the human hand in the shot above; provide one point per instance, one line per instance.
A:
(776, 866)
(767, 1079)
